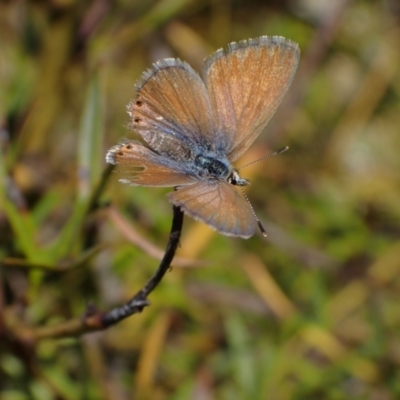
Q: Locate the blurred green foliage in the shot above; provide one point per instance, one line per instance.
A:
(310, 313)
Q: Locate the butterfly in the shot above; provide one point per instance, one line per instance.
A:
(194, 128)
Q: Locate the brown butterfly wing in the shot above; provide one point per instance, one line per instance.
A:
(172, 111)
(219, 205)
(246, 84)
(141, 166)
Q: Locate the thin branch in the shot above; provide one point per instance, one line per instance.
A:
(139, 301)
(96, 320)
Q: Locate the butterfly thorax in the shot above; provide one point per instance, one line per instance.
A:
(220, 169)
(210, 167)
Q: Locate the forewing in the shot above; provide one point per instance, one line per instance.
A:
(172, 110)
(144, 167)
(246, 84)
(219, 205)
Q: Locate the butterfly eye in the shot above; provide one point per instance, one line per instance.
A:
(138, 103)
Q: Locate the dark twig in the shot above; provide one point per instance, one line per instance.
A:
(94, 319)
(139, 301)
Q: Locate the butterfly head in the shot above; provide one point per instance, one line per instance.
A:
(235, 179)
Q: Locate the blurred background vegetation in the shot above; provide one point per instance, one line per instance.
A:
(311, 312)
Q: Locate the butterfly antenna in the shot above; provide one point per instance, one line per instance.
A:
(275, 153)
(264, 233)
